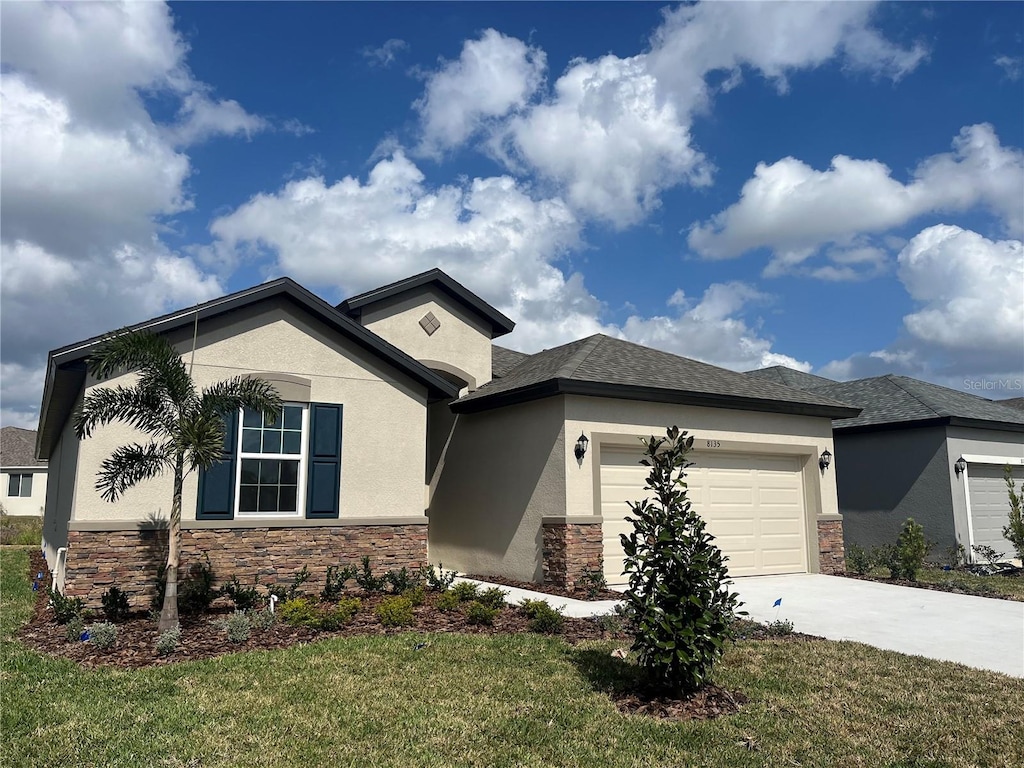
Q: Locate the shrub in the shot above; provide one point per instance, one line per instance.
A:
(492, 598)
(245, 597)
(339, 615)
(956, 555)
(592, 582)
(542, 617)
(988, 554)
(103, 635)
(168, 641)
(367, 581)
(1014, 532)
(334, 586)
(608, 622)
(291, 591)
(401, 580)
(65, 608)
(73, 630)
(299, 612)
(237, 625)
(262, 620)
(887, 556)
(480, 613)
(858, 559)
(115, 605)
(780, 628)
(416, 595)
(448, 601)
(677, 576)
(195, 587)
(911, 549)
(465, 591)
(438, 580)
(395, 611)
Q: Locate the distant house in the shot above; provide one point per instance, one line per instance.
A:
(22, 475)
(901, 456)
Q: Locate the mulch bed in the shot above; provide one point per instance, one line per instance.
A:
(932, 586)
(706, 704)
(550, 589)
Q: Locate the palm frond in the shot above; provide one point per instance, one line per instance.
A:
(157, 362)
(130, 464)
(200, 438)
(141, 409)
(240, 392)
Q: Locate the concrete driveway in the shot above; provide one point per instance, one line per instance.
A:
(980, 632)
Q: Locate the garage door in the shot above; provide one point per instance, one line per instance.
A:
(990, 505)
(753, 506)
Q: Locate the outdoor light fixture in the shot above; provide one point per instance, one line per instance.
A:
(825, 460)
(960, 466)
(581, 447)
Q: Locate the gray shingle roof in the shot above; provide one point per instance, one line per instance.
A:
(504, 360)
(900, 399)
(18, 448)
(1014, 402)
(604, 366)
(790, 377)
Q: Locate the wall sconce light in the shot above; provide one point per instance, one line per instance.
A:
(581, 448)
(960, 466)
(825, 460)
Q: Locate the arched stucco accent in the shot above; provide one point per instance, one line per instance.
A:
(290, 387)
(464, 378)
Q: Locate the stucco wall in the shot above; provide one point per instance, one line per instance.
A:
(60, 499)
(462, 342)
(24, 505)
(383, 424)
(503, 473)
(963, 441)
(886, 477)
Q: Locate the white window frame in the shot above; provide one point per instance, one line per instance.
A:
(21, 484)
(300, 490)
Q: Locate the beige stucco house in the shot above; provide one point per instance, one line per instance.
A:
(22, 475)
(409, 436)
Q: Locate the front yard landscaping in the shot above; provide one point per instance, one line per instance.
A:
(523, 699)
(956, 580)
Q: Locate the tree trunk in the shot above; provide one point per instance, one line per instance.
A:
(169, 612)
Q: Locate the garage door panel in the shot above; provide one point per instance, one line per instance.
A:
(729, 497)
(990, 505)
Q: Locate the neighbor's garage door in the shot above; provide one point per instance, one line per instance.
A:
(990, 505)
(753, 506)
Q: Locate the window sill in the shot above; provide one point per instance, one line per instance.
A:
(248, 522)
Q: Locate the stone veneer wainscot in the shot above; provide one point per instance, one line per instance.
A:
(571, 549)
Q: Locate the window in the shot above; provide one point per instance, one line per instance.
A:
(20, 485)
(272, 463)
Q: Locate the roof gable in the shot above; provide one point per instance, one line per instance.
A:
(18, 448)
(790, 377)
(491, 317)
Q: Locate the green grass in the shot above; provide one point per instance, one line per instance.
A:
(27, 530)
(491, 701)
(1005, 587)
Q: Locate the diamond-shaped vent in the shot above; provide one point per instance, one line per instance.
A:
(429, 323)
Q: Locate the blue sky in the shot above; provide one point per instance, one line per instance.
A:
(836, 187)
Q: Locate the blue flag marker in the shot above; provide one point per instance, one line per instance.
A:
(777, 603)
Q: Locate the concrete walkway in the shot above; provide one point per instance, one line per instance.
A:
(980, 632)
(577, 609)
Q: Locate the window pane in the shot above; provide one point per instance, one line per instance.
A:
(247, 498)
(270, 472)
(271, 442)
(288, 498)
(26, 485)
(251, 418)
(13, 483)
(289, 472)
(292, 443)
(250, 471)
(292, 417)
(268, 498)
(250, 441)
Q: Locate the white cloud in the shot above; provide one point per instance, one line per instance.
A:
(386, 54)
(1011, 66)
(794, 210)
(494, 75)
(201, 118)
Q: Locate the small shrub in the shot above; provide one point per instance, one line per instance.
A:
(401, 580)
(465, 591)
(168, 641)
(858, 560)
(195, 587)
(492, 598)
(237, 625)
(337, 577)
(103, 635)
(911, 549)
(448, 601)
(543, 618)
(73, 630)
(438, 580)
(479, 613)
(608, 622)
(416, 595)
(780, 628)
(1014, 532)
(956, 555)
(262, 620)
(244, 596)
(395, 611)
(291, 590)
(115, 605)
(988, 554)
(887, 556)
(298, 612)
(65, 608)
(340, 614)
(367, 581)
(592, 582)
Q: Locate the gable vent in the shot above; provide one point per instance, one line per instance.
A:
(429, 323)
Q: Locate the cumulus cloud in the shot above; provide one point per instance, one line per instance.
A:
(794, 209)
(968, 293)
(494, 75)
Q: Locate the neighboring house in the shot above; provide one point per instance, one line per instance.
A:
(1015, 402)
(409, 437)
(22, 475)
(898, 459)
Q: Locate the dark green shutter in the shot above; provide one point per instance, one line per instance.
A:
(217, 484)
(323, 486)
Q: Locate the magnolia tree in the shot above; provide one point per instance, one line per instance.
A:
(680, 608)
(185, 426)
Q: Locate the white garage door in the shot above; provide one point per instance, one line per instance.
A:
(990, 505)
(753, 506)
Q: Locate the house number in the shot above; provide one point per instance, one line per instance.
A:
(714, 444)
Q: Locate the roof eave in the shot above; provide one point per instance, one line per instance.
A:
(938, 421)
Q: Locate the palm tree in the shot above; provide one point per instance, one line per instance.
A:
(186, 427)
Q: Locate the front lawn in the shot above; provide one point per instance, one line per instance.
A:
(1005, 587)
(476, 700)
